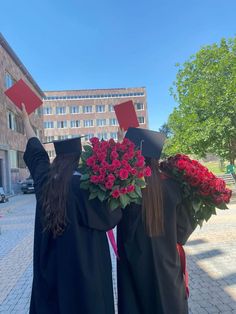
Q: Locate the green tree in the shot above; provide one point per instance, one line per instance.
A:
(164, 129)
(205, 89)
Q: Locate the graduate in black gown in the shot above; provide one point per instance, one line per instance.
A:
(150, 277)
(71, 267)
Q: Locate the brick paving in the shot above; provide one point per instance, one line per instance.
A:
(211, 255)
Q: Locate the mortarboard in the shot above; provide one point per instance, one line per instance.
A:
(126, 115)
(68, 146)
(149, 142)
(20, 93)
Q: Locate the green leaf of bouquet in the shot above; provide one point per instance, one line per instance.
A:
(84, 185)
(124, 199)
(222, 206)
(88, 148)
(138, 191)
(114, 203)
(140, 182)
(196, 205)
(93, 195)
(84, 177)
(133, 195)
(101, 195)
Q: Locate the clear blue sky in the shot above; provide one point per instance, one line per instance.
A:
(68, 44)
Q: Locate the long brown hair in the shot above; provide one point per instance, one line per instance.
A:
(152, 201)
(54, 196)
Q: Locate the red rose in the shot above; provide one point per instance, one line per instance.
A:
(104, 164)
(112, 168)
(140, 174)
(126, 141)
(116, 163)
(96, 168)
(102, 178)
(115, 194)
(102, 170)
(114, 154)
(90, 161)
(147, 172)
(123, 174)
(130, 188)
(94, 179)
(111, 177)
(109, 185)
(181, 164)
(101, 156)
(112, 142)
(124, 162)
(123, 190)
(126, 156)
(94, 140)
(133, 171)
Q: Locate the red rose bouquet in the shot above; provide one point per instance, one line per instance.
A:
(202, 190)
(113, 171)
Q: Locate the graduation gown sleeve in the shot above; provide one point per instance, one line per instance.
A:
(37, 161)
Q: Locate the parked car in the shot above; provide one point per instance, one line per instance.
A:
(3, 197)
(27, 186)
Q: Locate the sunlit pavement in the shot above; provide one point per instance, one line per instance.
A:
(211, 257)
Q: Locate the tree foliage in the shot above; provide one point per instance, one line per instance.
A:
(205, 89)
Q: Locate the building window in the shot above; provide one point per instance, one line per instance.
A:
(62, 137)
(11, 120)
(88, 136)
(114, 135)
(13, 158)
(60, 110)
(102, 136)
(47, 110)
(87, 109)
(20, 160)
(9, 81)
(100, 108)
(141, 120)
(75, 124)
(19, 125)
(88, 123)
(111, 108)
(139, 106)
(101, 122)
(61, 124)
(49, 138)
(48, 124)
(74, 109)
(113, 121)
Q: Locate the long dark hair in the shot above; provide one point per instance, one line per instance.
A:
(152, 201)
(54, 196)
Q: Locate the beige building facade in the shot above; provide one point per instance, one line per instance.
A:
(88, 113)
(12, 137)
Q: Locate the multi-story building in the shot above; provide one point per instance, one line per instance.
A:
(12, 138)
(90, 113)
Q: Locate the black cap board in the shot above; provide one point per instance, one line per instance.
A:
(149, 142)
(67, 146)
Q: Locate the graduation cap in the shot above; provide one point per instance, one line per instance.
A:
(149, 142)
(68, 146)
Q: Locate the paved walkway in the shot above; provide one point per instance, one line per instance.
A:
(211, 254)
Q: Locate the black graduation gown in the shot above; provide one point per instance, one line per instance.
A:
(150, 278)
(71, 274)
